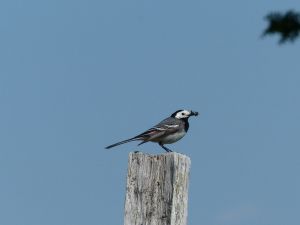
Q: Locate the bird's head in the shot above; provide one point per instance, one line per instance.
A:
(184, 114)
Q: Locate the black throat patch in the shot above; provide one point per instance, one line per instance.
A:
(186, 124)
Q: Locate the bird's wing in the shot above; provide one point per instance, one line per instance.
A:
(165, 127)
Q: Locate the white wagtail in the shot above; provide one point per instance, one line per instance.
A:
(167, 131)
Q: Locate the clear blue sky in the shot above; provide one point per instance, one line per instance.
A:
(76, 76)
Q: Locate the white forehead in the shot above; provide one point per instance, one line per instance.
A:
(183, 114)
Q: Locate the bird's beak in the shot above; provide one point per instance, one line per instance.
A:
(194, 113)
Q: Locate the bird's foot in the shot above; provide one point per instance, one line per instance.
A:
(165, 148)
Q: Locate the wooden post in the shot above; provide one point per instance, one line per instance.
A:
(157, 189)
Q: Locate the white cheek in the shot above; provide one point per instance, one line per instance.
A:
(180, 116)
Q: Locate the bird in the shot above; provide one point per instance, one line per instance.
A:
(168, 131)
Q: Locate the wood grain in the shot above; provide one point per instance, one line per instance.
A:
(157, 189)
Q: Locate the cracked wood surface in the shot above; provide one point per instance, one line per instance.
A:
(157, 189)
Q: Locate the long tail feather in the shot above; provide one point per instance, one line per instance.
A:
(121, 142)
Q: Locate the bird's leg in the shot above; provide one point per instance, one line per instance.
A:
(165, 148)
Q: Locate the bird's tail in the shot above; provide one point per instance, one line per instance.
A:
(122, 142)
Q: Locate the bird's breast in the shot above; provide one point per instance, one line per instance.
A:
(171, 138)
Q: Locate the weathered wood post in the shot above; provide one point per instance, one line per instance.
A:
(157, 189)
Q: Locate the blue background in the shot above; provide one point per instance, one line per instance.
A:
(76, 76)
